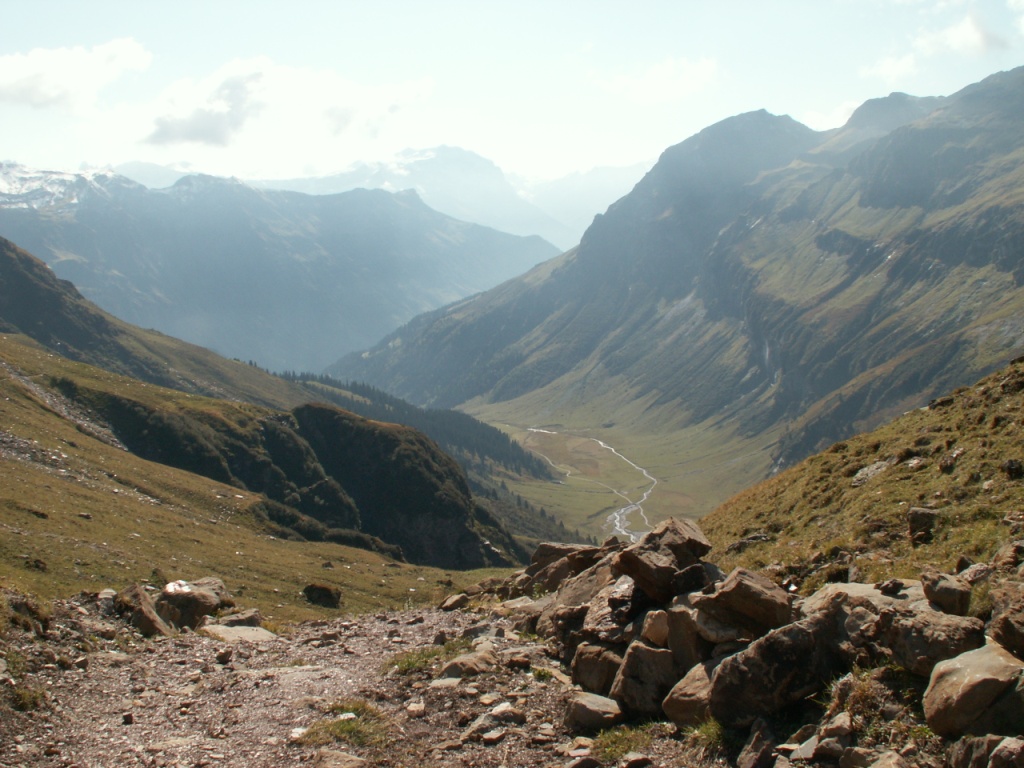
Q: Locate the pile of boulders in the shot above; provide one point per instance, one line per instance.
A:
(652, 630)
(204, 603)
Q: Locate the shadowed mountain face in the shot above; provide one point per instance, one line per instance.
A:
(288, 280)
(766, 276)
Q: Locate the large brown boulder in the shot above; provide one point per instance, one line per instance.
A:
(573, 598)
(326, 595)
(950, 594)
(918, 640)
(976, 693)
(785, 666)
(989, 751)
(184, 604)
(686, 704)
(611, 610)
(552, 564)
(658, 561)
(687, 644)
(136, 601)
(590, 712)
(548, 552)
(910, 594)
(1007, 624)
(646, 675)
(746, 600)
(901, 626)
(594, 667)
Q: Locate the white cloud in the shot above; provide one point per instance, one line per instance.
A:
(68, 77)
(261, 117)
(666, 81)
(892, 69)
(969, 35)
(225, 113)
(1017, 6)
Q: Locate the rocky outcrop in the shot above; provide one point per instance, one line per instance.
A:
(666, 561)
(662, 633)
(186, 604)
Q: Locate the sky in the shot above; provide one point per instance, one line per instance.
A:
(543, 88)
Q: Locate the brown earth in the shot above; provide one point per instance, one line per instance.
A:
(96, 693)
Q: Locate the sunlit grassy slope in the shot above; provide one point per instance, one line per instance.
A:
(77, 512)
(962, 456)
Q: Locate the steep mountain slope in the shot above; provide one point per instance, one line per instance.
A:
(575, 199)
(761, 280)
(79, 512)
(290, 281)
(954, 466)
(33, 301)
(249, 439)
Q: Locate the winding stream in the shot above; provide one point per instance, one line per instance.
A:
(617, 522)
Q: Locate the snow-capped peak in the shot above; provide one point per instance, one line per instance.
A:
(24, 187)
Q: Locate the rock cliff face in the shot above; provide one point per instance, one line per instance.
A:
(408, 491)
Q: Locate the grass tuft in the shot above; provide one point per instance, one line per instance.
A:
(422, 659)
(611, 745)
(361, 725)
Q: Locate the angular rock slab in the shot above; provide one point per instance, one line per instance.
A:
(655, 561)
(686, 704)
(785, 666)
(950, 594)
(239, 634)
(594, 667)
(647, 674)
(590, 712)
(976, 693)
(1007, 625)
(747, 600)
(918, 640)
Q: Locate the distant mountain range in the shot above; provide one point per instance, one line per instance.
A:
(461, 184)
(764, 285)
(288, 280)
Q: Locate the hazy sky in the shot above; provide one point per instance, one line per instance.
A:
(261, 89)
